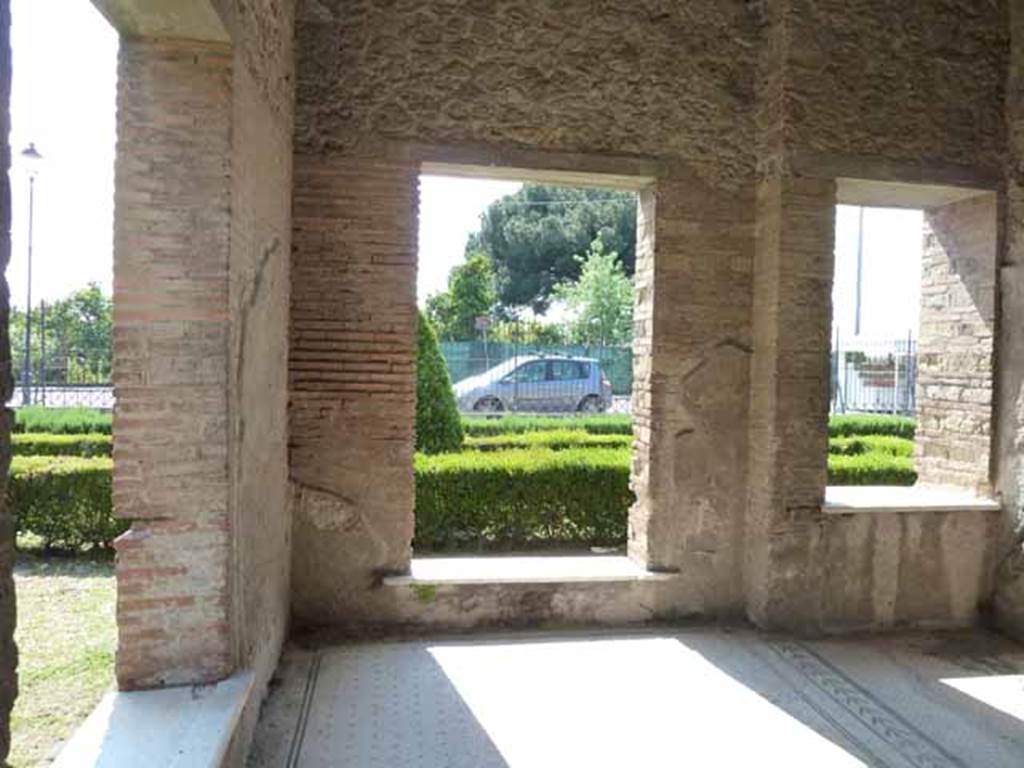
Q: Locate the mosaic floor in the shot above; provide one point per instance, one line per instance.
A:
(694, 697)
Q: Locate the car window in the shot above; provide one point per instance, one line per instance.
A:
(569, 370)
(530, 373)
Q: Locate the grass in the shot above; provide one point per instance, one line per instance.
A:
(66, 637)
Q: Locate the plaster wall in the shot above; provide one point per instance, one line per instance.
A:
(259, 286)
(883, 570)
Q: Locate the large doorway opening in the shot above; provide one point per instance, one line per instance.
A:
(526, 284)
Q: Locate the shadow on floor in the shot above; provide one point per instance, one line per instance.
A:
(696, 697)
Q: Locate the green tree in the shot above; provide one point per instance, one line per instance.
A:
(601, 300)
(438, 426)
(532, 238)
(528, 332)
(470, 294)
(78, 335)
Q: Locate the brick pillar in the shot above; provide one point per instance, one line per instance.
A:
(352, 382)
(8, 651)
(789, 400)
(954, 376)
(692, 343)
(171, 336)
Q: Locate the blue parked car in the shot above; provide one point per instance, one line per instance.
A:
(537, 384)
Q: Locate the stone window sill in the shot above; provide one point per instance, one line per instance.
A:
(844, 500)
(502, 569)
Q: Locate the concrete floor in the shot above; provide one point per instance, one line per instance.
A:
(694, 697)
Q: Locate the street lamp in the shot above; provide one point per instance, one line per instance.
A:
(31, 159)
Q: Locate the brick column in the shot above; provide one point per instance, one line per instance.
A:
(954, 375)
(171, 334)
(352, 382)
(692, 344)
(789, 400)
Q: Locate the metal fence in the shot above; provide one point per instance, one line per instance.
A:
(874, 376)
(77, 382)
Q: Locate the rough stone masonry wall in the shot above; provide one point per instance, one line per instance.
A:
(567, 86)
(171, 336)
(915, 86)
(580, 86)
(8, 650)
(954, 375)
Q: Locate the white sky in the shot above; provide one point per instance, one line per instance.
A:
(63, 99)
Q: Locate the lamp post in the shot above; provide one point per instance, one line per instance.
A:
(31, 158)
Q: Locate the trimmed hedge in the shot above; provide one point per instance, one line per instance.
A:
(522, 499)
(611, 424)
(875, 468)
(537, 497)
(845, 424)
(66, 501)
(42, 444)
(63, 421)
(556, 440)
(887, 444)
(438, 426)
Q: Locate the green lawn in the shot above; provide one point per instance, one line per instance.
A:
(66, 637)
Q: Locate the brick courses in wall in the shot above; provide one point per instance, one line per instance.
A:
(171, 326)
(955, 352)
(352, 381)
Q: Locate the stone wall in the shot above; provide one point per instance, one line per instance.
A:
(734, 106)
(578, 87)
(1009, 402)
(789, 400)
(171, 336)
(885, 570)
(954, 375)
(8, 650)
(917, 84)
(259, 287)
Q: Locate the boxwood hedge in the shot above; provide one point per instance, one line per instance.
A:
(609, 424)
(43, 444)
(66, 501)
(522, 499)
(886, 444)
(844, 424)
(62, 421)
(555, 440)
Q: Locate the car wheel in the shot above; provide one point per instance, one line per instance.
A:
(590, 404)
(488, 405)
